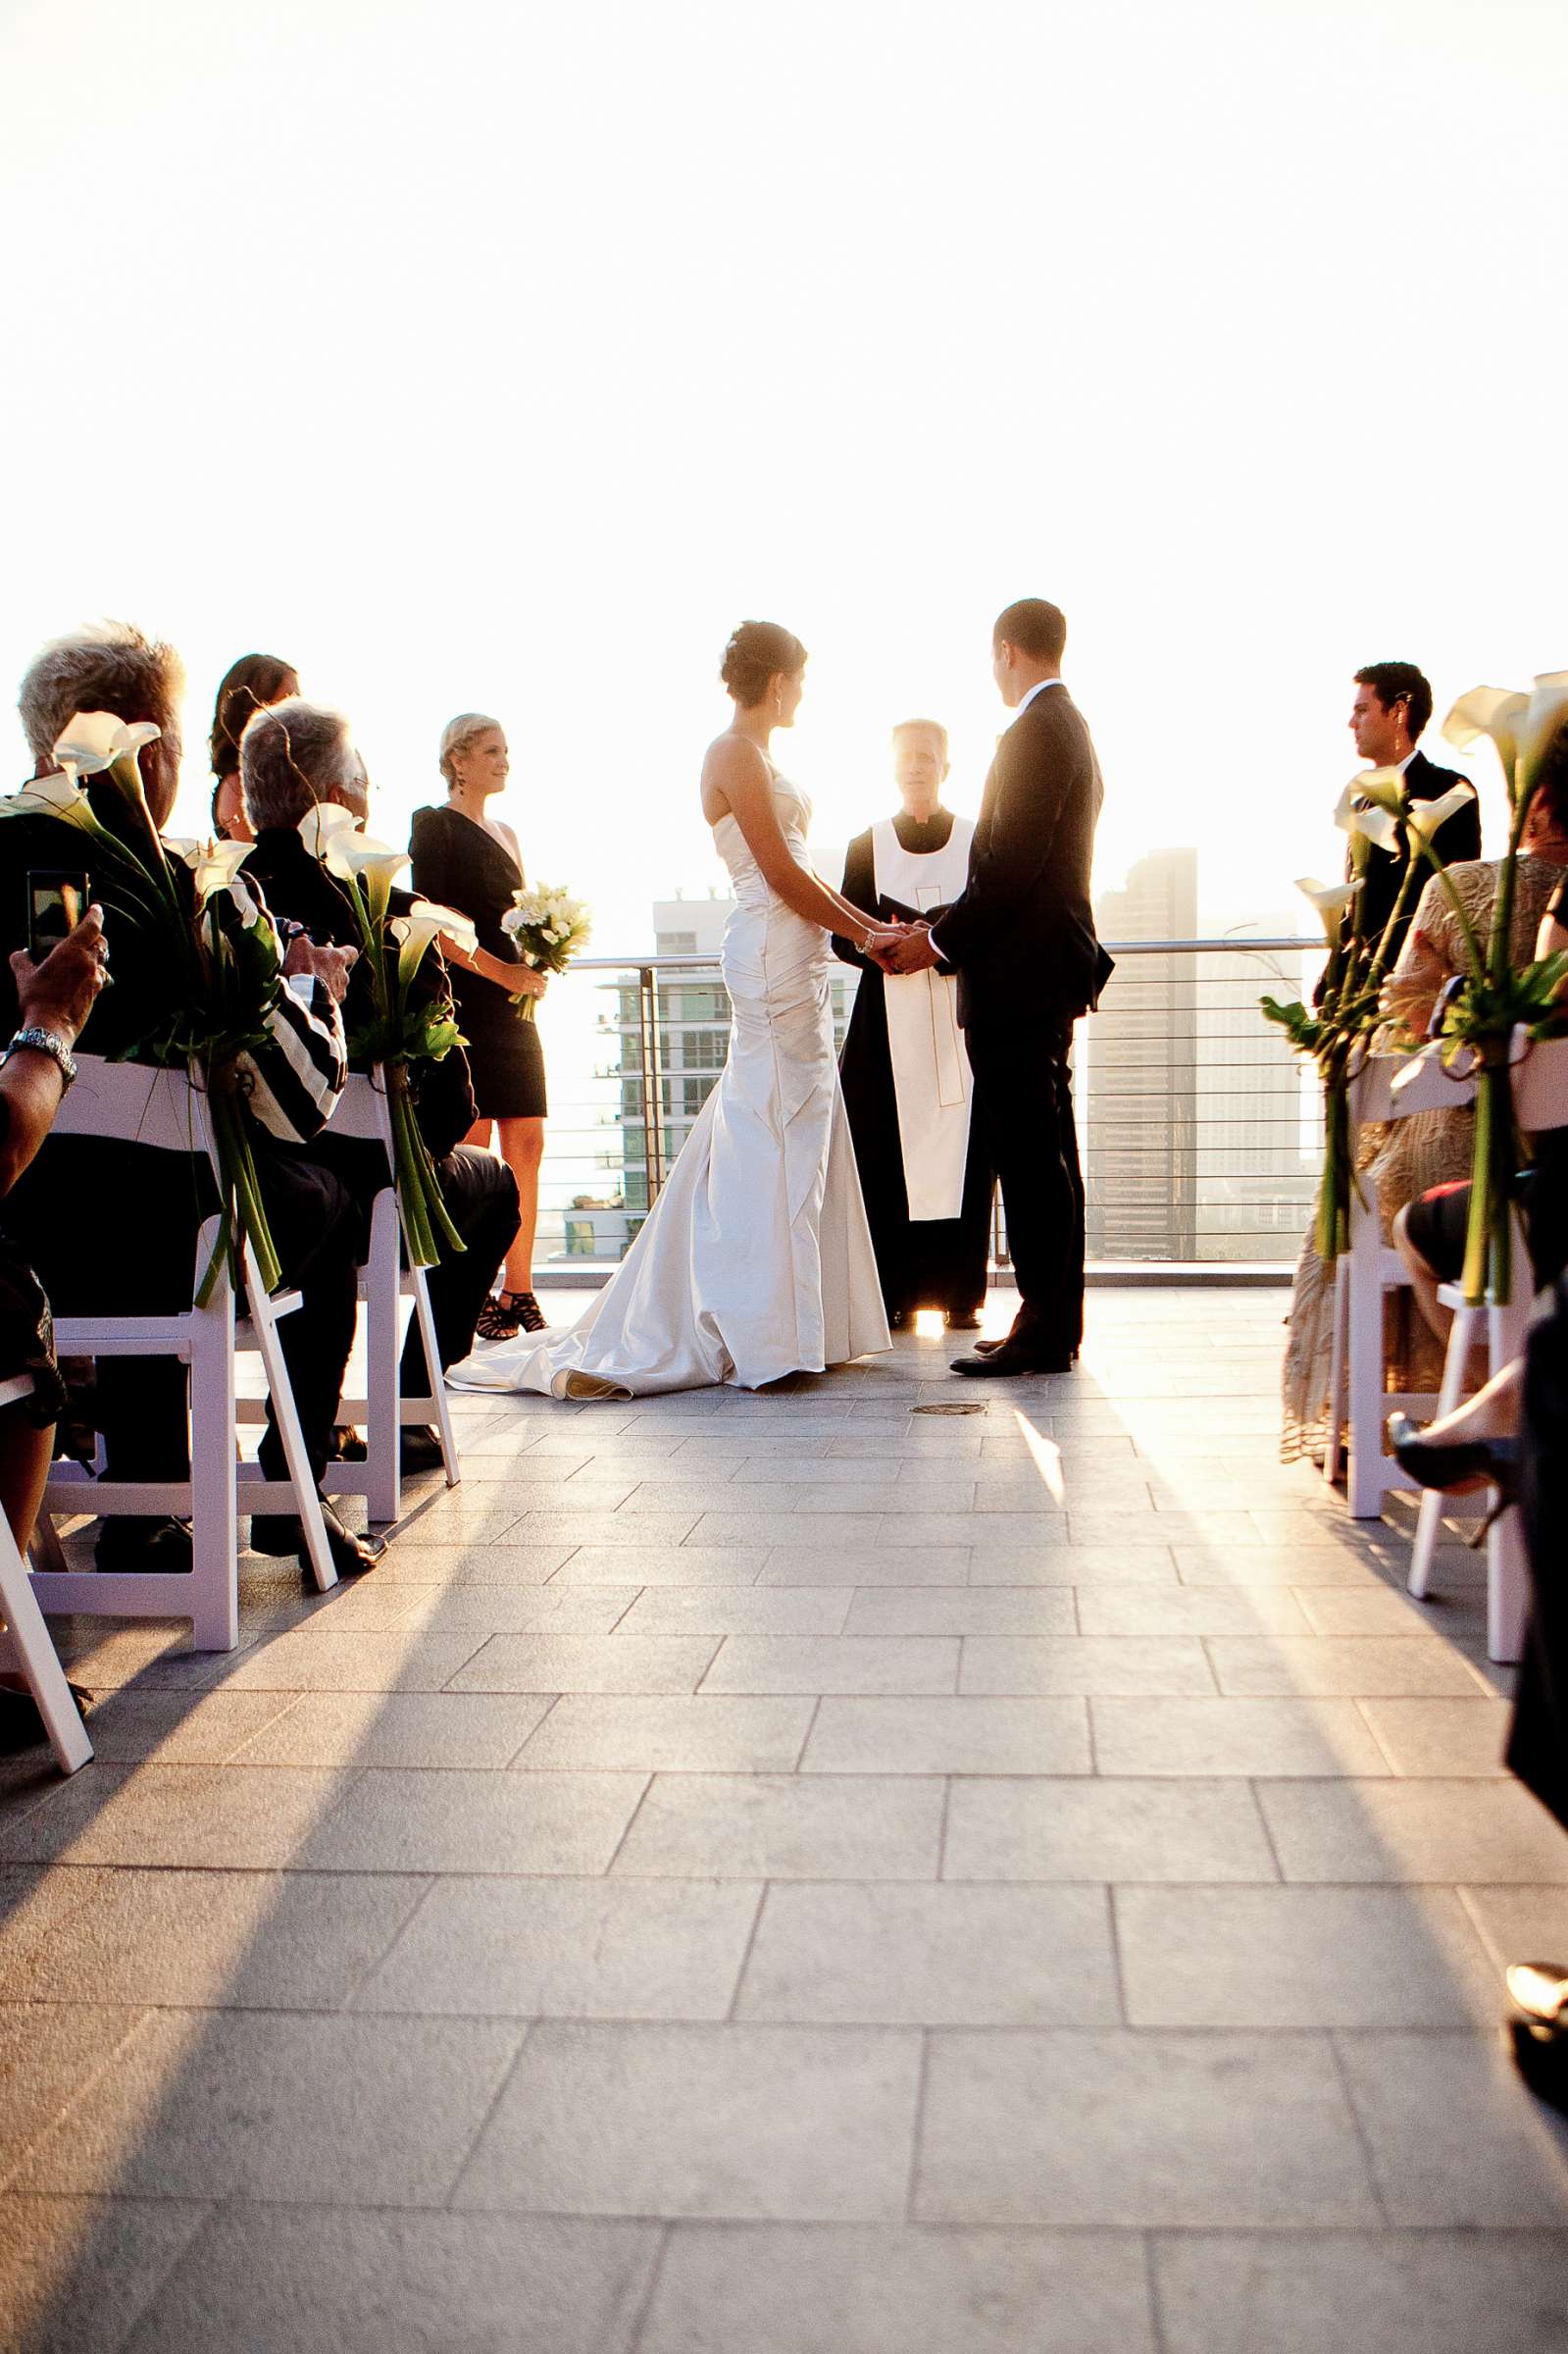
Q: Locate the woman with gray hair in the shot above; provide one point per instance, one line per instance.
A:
(466, 859)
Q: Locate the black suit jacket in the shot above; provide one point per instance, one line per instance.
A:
(1022, 931)
(1459, 837)
(297, 884)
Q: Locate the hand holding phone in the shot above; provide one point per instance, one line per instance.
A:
(57, 993)
(57, 901)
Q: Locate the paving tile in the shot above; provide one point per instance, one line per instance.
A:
(908, 1475)
(1397, 2293)
(828, 1531)
(1425, 1737)
(568, 1530)
(1302, 1958)
(1233, 1736)
(180, 1729)
(1413, 1830)
(1295, 1566)
(703, 2121)
(963, 1610)
(949, 1735)
(553, 1609)
(888, 1955)
(588, 1664)
(279, 2107)
(1429, 2104)
(991, 1532)
(74, 2273)
(569, 1949)
(1188, 1610)
(274, 2281)
(398, 1728)
(834, 1664)
(49, 2055)
(523, 1465)
(669, 1732)
(740, 1610)
(865, 1564)
(1058, 1564)
(1368, 1611)
(784, 1828)
(1333, 1667)
(660, 1565)
(1096, 2127)
(297, 1941)
(1519, 1925)
(402, 1660)
(229, 1816)
(1105, 1830)
(1085, 1663)
(471, 1562)
(462, 1821)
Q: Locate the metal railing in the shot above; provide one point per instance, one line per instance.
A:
(1197, 1126)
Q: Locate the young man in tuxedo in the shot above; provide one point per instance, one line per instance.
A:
(1392, 705)
(1021, 937)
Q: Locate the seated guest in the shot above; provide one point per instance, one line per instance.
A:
(255, 682)
(112, 1227)
(54, 998)
(291, 757)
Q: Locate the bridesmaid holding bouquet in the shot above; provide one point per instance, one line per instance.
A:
(466, 859)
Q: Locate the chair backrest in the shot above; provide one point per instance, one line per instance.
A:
(1391, 1087)
(133, 1104)
(362, 1108)
(1540, 1086)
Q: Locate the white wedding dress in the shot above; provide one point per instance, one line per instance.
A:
(756, 1259)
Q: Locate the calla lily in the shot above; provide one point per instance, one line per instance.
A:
(318, 824)
(55, 795)
(96, 740)
(1494, 711)
(1331, 899)
(413, 935)
(1426, 817)
(1545, 714)
(213, 865)
(458, 929)
(1377, 820)
(354, 855)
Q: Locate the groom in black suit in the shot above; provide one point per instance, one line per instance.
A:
(1022, 938)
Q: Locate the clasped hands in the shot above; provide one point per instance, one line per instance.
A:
(901, 948)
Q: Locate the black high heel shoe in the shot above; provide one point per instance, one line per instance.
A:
(1454, 1462)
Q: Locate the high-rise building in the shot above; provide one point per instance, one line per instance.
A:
(1137, 1081)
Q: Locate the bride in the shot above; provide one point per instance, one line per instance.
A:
(756, 1259)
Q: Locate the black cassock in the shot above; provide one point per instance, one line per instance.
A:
(935, 1263)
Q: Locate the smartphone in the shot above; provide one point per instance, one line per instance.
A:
(57, 901)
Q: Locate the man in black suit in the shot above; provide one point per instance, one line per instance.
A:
(1022, 938)
(1392, 705)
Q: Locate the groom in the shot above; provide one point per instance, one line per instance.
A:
(1022, 936)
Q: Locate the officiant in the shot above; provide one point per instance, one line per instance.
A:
(924, 1171)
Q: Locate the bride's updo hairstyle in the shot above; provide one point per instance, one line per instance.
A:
(759, 650)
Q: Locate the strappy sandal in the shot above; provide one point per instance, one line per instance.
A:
(507, 1313)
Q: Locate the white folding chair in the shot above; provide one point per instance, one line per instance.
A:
(1368, 1271)
(1540, 1102)
(29, 1637)
(388, 1278)
(162, 1110)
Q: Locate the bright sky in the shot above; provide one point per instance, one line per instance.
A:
(505, 356)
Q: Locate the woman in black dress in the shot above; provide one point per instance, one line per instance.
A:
(466, 859)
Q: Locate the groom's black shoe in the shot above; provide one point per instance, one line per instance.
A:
(1008, 1357)
(284, 1532)
(990, 1348)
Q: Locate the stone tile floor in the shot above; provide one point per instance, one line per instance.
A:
(798, 1876)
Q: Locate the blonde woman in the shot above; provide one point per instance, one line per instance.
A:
(466, 858)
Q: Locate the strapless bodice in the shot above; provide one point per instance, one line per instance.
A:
(746, 879)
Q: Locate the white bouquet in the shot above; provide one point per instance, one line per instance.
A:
(550, 928)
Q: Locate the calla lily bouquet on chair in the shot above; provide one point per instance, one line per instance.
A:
(403, 1029)
(550, 928)
(1477, 1020)
(1336, 1031)
(223, 966)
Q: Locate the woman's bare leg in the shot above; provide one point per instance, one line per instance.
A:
(479, 1136)
(521, 1149)
(1492, 1413)
(1423, 1282)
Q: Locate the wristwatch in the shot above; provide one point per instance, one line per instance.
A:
(45, 1042)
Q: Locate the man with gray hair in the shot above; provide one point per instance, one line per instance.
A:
(112, 1227)
(292, 756)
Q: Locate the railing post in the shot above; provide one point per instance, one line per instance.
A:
(649, 1051)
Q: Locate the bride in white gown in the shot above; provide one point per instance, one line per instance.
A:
(756, 1259)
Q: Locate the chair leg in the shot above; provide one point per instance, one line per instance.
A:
(438, 1398)
(307, 1500)
(383, 1432)
(1428, 1521)
(38, 1659)
(1334, 1458)
(1507, 1588)
(1364, 1357)
(214, 1500)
